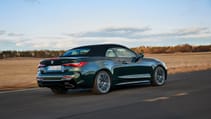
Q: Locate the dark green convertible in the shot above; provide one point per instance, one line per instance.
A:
(99, 67)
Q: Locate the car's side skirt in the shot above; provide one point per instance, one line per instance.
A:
(133, 82)
(135, 76)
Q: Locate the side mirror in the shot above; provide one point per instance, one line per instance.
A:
(142, 55)
(138, 57)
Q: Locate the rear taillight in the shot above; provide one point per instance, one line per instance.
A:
(41, 65)
(79, 64)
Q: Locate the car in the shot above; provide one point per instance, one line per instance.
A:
(99, 67)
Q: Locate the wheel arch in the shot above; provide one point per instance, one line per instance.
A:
(104, 69)
(108, 72)
(165, 69)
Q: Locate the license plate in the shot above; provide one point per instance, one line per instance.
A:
(54, 68)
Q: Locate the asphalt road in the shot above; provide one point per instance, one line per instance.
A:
(185, 96)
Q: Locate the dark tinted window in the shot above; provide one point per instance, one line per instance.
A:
(76, 52)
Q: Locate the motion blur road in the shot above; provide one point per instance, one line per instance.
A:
(185, 96)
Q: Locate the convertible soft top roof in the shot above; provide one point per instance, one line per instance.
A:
(98, 50)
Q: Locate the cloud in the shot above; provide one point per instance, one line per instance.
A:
(124, 32)
(45, 42)
(183, 32)
(15, 34)
(134, 36)
(59, 42)
(191, 31)
(143, 33)
(10, 34)
(2, 32)
(125, 35)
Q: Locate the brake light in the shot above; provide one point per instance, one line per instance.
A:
(41, 65)
(79, 64)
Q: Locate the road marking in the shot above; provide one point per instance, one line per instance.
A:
(19, 90)
(181, 94)
(165, 98)
(156, 99)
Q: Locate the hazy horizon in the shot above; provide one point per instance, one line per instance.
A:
(61, 25)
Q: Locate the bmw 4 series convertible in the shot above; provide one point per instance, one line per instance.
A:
(99, 67)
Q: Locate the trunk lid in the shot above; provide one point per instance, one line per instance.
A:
(57, 65)
(58, 61)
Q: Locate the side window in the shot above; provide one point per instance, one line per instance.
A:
(110, 53)
(122, 52)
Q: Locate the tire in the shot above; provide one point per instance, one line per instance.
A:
(102, 82)
(59, 90)
(159, 76)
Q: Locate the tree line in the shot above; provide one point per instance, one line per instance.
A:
(172, 49)
(141, 49)
(36, 53)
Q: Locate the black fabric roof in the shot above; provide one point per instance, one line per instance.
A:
(99, 50)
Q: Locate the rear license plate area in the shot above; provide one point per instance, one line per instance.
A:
(54, 68)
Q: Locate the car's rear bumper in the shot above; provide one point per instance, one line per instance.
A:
(57, 83)
(67, 81)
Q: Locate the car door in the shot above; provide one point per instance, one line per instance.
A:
(127, 69)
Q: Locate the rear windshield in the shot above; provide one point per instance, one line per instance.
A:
(76, 52)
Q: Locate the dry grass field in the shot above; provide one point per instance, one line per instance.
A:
(17, 73)
(185, 62)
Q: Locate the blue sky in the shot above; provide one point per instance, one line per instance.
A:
(64, 24)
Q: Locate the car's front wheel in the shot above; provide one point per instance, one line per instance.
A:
(159, 76)
(102, 83)
(59, 90)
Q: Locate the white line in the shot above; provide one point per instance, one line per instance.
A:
(19, 90)
(181, 94)
(156, 99)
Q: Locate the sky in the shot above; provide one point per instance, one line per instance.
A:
(64, 24)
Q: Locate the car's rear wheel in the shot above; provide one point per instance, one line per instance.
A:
(102, 83)
(59, 90)
(159, 76)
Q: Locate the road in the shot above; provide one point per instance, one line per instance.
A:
(185, 96)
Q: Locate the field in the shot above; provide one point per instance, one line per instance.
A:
(17, 73)
(185, 62)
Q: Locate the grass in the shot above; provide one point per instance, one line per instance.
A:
(185, 62)
(17, 73)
